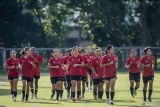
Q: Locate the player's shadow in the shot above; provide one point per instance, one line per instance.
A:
(124, 101)
(44, 99)
(4, 92)
(88, 101)
(155, 98)
(127, 105)
(40, 102)
(2, 106)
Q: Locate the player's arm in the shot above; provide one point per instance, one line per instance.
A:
(7, 66)
(153, 64)
(141, 63)
(39, 59)
(79, 65)
(52, 66)
(94, 71)
(116, 64)
(82, 64)
(106, 64)
(127, 65)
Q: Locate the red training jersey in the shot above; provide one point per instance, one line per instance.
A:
(67, 72)
(75, 60)
(37, 60)
(62, 70)
(27, 68)
(95, 63)
(84, 68)
(55, 72)
(13, 62)
(147, 71)
(110, 70)
(133, 64)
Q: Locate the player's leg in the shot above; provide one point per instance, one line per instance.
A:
(145, 84)
(32, 88)
(11, 86)
(150, 89)
(95, 88)
(131, 79)
(112, 93)
(53, 82)
(73, 87)
(100, 89)
(68, 80)
(36, 87)
(132, 88)
(78, 87)
(137, 80)
(15, 82)
(24, 81)
(61, 88)
(83, 86)
(58, 89)
(107, 91)
(29, 80)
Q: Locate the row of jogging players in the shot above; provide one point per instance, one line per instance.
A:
(72, 69)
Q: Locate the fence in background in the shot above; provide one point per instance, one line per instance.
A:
(121, 52)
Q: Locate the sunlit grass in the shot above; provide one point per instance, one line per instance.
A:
(122, 96)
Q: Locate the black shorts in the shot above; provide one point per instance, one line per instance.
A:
(108, 79)
(89, 71)
(147, 79)
(36, 77)
(12, 78)
(76, 77)
(134, 76)
(63, 79)
(54, 80)
(97, 81)
(68, 79)
(84, 78)
(28, 79)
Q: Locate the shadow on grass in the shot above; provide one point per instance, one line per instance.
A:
(44, 99)
(86, 101)
(130, 101)
(40, 102)
(2, 106)
(126, 105)
(4, 92)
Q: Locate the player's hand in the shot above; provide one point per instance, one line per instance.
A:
(57, 66)
(75, 65)
(148, 65)
(96, 75)
(31, 62)
(111, 63)
(128, 66)
(11, 67)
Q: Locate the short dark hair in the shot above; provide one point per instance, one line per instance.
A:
(22, 52)
(109, 47)
(146, 49)
(26, 48)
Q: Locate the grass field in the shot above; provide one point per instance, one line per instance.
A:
(122, 96)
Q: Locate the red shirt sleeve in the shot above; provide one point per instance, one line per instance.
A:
(128, 62)
(104, 60)
(39, 58)
(142, 60)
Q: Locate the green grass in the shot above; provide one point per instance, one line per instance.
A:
(122, 96)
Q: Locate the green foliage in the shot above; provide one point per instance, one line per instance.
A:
(117, 22)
